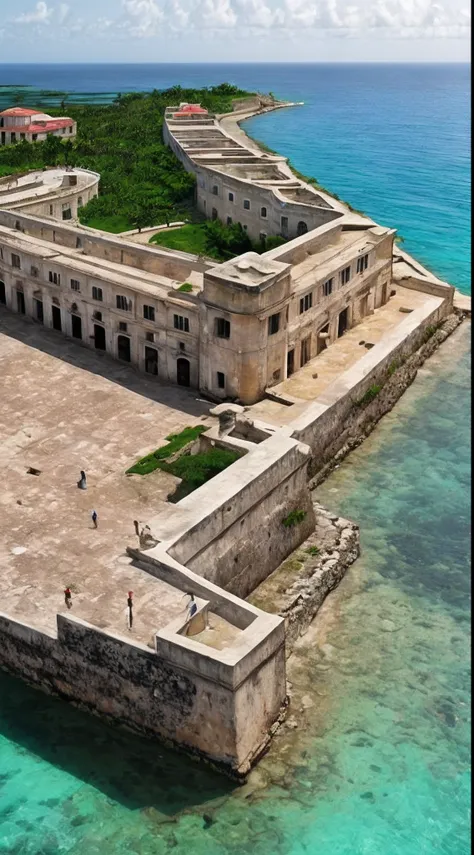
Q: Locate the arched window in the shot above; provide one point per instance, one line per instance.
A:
(301, 228)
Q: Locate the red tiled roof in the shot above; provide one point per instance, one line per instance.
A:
(47, 127)
(191, 108)
(19, 111)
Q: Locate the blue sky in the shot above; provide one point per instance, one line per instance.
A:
(234, 30)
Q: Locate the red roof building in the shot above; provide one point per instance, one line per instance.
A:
(23, 123)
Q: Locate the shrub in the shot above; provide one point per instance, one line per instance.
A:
(369, 396)
(175, 442)
(393, 367)
(312, 550)
(294, 517)
(186, 286)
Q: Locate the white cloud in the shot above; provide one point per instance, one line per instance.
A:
(40, 15)
(215, 15)
(145, 17)
(63, 12)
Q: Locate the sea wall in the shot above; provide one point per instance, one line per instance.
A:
(298, 588)
(328, 422)
(360, 419)
(215, 704)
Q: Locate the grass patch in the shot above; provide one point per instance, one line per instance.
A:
(186, 287)
(393, 367)
(113, 223)
(175, 442)
(196, 469)
(312, 550)
(370, 395)
(189, 238)
(294, 517)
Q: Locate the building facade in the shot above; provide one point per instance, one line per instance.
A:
(18, 124)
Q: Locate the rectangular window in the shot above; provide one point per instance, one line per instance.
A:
(229, 221)
(327, 287)
(220, 380)
(67, 214)
(345, 275)
(75, 285)
(149, 313)
(97, 294)
(123, 303)
(231, 197)
(149, 336)
(122, 326)
(306, 302)
(222, 328)
(16, 261)
(34, 271)
(181, 323)
(362, 263)
(215, 190)
(263, 213)
(247, 204)
(55, 278)
(273, 324)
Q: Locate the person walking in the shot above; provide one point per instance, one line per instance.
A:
(68, 598)
(82, 483)
(95, 519)
(130, 609)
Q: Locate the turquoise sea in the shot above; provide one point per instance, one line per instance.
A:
(380, 762)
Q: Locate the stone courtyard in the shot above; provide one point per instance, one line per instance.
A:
(65, 408)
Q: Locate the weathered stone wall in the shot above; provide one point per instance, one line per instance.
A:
(298, 588)
(328, 423)
(200, 711)
(360, 421)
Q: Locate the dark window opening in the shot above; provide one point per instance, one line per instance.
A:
(306, 302)
(362, 263)
(345, 275)
(222, 328)
(181, 323)
(263, 212)
(247, 204)
(149, 313)
(327, 287)
(220, 380)
(97, 294)
(273, 324)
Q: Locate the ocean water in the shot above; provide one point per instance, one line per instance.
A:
(380, 762)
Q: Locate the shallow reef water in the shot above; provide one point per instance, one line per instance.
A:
(379, 762)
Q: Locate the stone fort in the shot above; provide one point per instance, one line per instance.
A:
(287, 343)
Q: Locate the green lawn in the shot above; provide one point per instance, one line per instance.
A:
(114, 223)
(188, 238)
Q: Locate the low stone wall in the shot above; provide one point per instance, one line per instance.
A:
(329, 422)
(191, 696)
(361, 420)
(298, 588)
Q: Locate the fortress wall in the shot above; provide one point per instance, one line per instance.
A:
(113, 248)
(198, 710)
(53, 204)
(234, 534)
(326, 423)
(258, 196)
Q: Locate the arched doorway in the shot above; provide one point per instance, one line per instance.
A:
(123, 347)
(301, 228)
(183, 372)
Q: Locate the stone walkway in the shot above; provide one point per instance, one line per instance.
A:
(64, 408)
